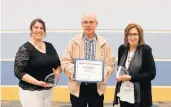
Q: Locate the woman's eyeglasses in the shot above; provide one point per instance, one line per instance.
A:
(132, 35)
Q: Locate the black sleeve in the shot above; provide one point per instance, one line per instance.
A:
(21, 62)
(149, 68)
(120, 51)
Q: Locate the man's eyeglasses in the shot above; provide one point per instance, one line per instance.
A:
(88, 22)
(132, 35)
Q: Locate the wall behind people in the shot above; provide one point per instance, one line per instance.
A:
(65, 14)
(63, 22)
(160, 42)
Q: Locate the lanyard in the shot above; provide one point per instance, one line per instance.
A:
(130, 58)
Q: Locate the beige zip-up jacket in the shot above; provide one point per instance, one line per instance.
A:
(75, 49)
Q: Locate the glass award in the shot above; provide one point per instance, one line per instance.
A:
(121, 71)
(51, 80)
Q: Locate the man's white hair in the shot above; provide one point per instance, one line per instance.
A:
(89, 15)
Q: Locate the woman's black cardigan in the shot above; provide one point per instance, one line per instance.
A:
(144, 76)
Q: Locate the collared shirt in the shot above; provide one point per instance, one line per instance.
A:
(90, 48)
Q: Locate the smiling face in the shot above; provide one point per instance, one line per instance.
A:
(133, 37)
(89, 24)
(38, 29)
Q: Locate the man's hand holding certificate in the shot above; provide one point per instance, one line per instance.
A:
(89, 71)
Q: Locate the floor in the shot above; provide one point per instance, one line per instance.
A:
(59, 104)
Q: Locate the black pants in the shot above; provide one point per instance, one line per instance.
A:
(126, 104)
(88, 95)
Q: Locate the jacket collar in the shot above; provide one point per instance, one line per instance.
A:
(79, 38)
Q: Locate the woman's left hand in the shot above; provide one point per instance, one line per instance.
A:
(57, 74)
(123, 78)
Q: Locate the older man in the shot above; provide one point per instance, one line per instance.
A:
(87, 45)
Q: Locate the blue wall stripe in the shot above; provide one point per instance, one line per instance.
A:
(162, 77)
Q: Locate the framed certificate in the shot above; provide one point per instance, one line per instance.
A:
(91, 71)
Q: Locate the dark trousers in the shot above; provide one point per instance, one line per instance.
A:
(88, 95)
(126, 104)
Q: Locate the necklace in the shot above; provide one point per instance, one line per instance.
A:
(39, 46)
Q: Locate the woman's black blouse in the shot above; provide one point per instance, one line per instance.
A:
(31, 61)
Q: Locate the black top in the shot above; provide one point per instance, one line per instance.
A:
(31, 61)
(143, 76)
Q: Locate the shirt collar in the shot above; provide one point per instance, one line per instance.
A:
(86, 38)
